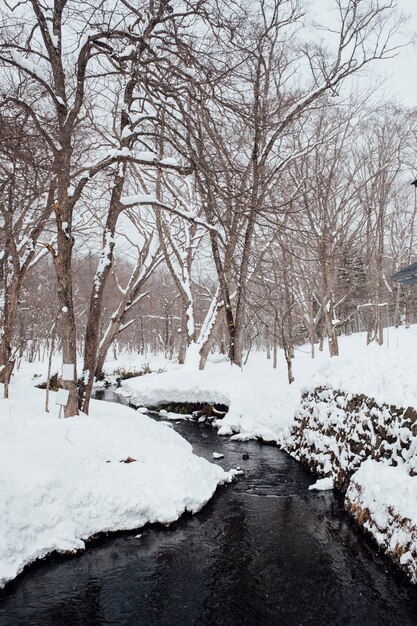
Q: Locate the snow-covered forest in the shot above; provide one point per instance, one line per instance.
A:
(194, 183)
(182, 177)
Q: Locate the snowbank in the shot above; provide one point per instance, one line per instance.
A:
(370, 450)
(261, 403)
(385, 373)
(63, 481)
(383, 499)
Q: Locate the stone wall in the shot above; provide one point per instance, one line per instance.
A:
(369, 450)
(335, 432)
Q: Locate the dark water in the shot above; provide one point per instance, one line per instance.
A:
(265, 550)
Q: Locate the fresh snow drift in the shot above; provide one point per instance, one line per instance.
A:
(323, 484)
(260, 402)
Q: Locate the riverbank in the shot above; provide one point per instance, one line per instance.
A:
(74, 478)
(258, 544)
(368, 451)
(361, 405)
(63, 481)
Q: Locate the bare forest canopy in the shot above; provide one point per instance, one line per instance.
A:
(189, 176)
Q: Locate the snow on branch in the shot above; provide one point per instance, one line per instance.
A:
(141, 199)
(126, 325)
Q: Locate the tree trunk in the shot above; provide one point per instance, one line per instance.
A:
(63, 268)
(209, 330)
(92, 335)
(330, 328)
(7, 362)
(312, 327)
(397, 305)
(313, 339)
(13, 285)
(48, 377)
(267, 343)
(68, 328)
(275, 347)
(182, 352)
(379, 324)
(289, 358)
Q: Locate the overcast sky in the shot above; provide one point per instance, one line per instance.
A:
(401, 72)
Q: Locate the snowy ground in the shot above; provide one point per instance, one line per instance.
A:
(256, 406)
(62, 481)
(262, 404)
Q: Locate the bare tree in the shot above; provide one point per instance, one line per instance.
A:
(381, 155)
(148, 257)
(56, 51)
(25, 207)
(262, 114)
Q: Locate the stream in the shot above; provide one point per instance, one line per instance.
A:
(264, 550)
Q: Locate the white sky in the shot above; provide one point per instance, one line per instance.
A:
(400, 72)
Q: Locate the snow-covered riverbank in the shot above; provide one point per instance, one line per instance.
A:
(333, 435)
(383, 500)
(63, 481)
(261, 403)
